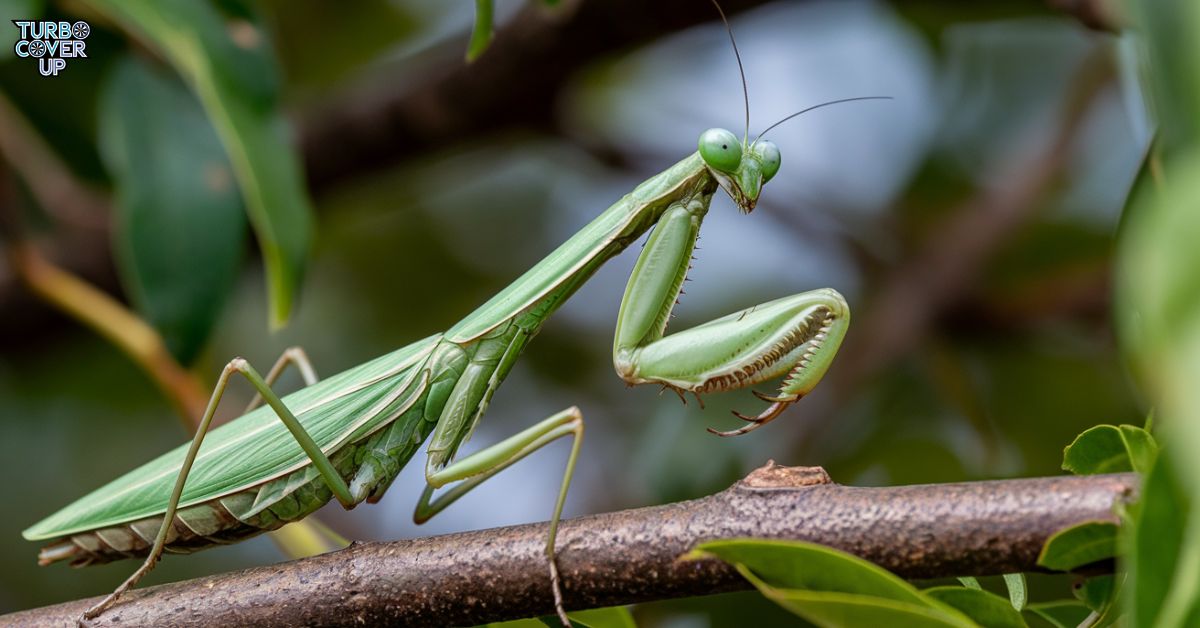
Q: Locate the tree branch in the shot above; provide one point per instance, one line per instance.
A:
(977, 528)
(514, 85)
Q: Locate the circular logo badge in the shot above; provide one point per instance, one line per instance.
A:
(37, 48)
(80, 30)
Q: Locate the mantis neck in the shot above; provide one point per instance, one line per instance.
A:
(544, 288)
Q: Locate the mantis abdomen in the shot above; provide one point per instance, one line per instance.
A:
(373, 462)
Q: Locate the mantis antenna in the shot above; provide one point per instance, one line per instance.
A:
(824, 104)
(741, 69)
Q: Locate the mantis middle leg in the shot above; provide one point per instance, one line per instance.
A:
(298, 540)
(794, 337)
(481, 465)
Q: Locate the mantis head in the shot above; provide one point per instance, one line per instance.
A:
(743, 167)
(740, 168)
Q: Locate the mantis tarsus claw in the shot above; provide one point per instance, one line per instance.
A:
(770, 414)
(752, 419)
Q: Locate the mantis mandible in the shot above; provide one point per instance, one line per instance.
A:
(347, 437)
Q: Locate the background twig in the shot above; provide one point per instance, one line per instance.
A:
(976, 528)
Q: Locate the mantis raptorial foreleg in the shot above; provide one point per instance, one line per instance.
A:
(481, 465)
(236, 366)
(796, 336)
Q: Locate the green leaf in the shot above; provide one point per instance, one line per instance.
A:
(1158, 307)
(11, 10)
(1079, 545)
(481, 33)
(837, 609)
(520, 623)
(1143, 449)
(179, 230)
(970, 582)
(1169, 30)
(1018, 592)
(799, 565)
(230, 66)
(1160, 315)
(1110, 449)
(1101, 595)
(1060, 614)
(1095, 592)
(611, 617)
(829, 587)
(1157, 531)
(987, 609)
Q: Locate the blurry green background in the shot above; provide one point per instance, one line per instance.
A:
(969, 222)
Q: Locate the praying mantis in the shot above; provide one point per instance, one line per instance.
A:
(348, 436)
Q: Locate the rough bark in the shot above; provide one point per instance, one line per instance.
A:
(977, 528)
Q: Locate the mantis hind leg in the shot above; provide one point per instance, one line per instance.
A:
(310, 536)
(794, 337)
(474, 469)
(320, 461)
(291, 356)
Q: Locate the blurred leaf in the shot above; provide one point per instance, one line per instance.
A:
(1158, 305)
(1018, 591)
(987, 609)
(309, 537)
(829, 587)
(518, 623)
(1169, 30)
(970, 582)
(1079, 545)
(481, 33)
(1110, 449)
(12, 10)
(1095, 592)
(314, 56)
(1159, 308)
(231, 67)
(1060, 614)
(1157, 530)
(611, 617)
(179, 228)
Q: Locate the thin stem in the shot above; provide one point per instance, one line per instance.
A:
(116, 323)
(58, 191)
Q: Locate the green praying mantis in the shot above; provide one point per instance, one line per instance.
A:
(348, 436)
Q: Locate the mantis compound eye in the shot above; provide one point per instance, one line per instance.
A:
(721, 149)
(768, 153)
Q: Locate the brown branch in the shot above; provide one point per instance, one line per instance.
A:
(944, 271)
(1101, 15)
(51, 181)
(356, 131)
(977, 528)
(515, 84)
